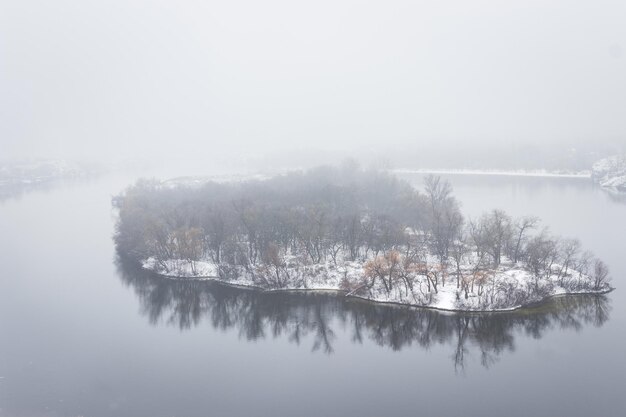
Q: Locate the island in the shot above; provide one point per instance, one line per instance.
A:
(358, 232)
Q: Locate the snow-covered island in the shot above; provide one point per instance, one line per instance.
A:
(361, 233)
(610, 173)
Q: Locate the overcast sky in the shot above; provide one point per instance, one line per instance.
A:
(109, 77)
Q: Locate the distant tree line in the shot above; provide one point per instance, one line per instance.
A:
(406, 240)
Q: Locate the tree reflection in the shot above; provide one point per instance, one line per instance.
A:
(297, 316)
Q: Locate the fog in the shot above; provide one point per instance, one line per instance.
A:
(312, 208)
(239, 79)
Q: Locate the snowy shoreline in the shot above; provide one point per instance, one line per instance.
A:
(445, 305)
(610, 173)
(522, 173)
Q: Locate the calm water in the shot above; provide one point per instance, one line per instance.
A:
(84, 335)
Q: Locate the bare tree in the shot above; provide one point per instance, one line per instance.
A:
(477, 234)
(384, 268)
(459, 250)
(444, 218)
(497, 228)
(521, 227)
(274, 272)
(600, 275)
(189, 245)
(568, 250)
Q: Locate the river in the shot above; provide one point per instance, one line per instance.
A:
(82, 334)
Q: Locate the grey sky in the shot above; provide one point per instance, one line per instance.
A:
(88, 78)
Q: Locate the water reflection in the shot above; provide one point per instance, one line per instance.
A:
(616, 196)
(323, 317)
(16, 190)
(10, 191)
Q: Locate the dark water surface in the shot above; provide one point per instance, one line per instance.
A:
(82, 334)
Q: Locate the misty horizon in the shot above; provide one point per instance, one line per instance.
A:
(155, 79)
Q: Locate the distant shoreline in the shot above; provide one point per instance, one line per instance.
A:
(544, 174)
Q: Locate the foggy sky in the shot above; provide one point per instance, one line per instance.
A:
(127, 77)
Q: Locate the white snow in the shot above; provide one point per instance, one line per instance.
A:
(182, 269)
